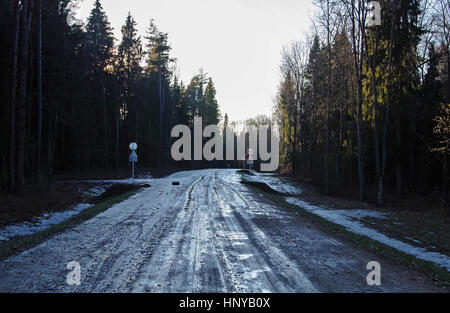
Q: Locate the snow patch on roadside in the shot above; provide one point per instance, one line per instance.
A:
(131, 181)
(146, 176)
(97, 190)
(43, 222)
(350, 219)
(275, 183)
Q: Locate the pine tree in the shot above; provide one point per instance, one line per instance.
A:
(286, 106)
(211, 115)
(99, 44)
(158, 70)
(225, 121)
(99, 39)
(129, 68)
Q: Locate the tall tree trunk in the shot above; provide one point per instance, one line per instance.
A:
(389, 91)
(12, 106)
(359, 133)
(380, 198)
(20, 161)
(105, 124)
(117, 121)
(328, 104)
(376, 118)
(398, 162)
(339, 146)
(313, 144)
(444, 179)
(161, 114)
(357, 60)
(39, 98)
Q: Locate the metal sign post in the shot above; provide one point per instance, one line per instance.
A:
(133, 157)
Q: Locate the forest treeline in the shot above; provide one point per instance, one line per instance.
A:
(73, 97)
(369, 107)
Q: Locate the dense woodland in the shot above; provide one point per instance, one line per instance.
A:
(368, 107)
(359, 108)
(73, 96)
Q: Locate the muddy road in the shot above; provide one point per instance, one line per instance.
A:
(209, 234)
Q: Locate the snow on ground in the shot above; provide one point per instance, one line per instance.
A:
(146, 176)
(275, 183)
(151, 243)
(48, 219)
(97, 190)
(131, 181)
(106, 183)
(43, 222)
(351, 220)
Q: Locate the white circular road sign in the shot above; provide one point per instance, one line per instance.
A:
(133, 146)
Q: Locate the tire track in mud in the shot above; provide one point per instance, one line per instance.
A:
(256, 265)
(280, 246)
(177, 258)
(211, 276)
(188, 227)
(110, 248)
(189, 194)
(192, 264)
(332, 265)
(129, 248)
(202, 273)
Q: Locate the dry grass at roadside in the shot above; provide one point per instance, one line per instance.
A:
(46, 198)
(21, 243)
(415, 221)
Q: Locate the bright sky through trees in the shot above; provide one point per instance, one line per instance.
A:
(237, 42)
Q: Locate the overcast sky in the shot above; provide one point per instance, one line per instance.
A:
(237, 42)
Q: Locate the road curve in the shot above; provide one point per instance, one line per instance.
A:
(209, 234)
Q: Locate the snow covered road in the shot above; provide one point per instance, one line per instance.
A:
(209, 234)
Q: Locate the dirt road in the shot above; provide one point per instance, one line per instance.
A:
(209, 234)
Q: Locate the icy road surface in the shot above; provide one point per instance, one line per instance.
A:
(210, 234)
